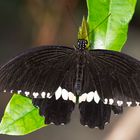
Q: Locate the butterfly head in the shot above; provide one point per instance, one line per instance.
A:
(82, 44)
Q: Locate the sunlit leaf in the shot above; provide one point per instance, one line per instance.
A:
(20, 117)
(112, 33)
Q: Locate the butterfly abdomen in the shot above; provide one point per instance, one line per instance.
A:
(79, 76)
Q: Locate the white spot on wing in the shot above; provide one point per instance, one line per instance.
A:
(105, 101)
(35, 94)
(96, 97)
(111, 101)
(90, 96)
(65, 94)
(43, 94)
(137, 103)
(11, 91)
(119, 103)
(19, 91)
(27, 93)
(4, 90)
(62, 124)
(72, 97)
(128, 103)
(83, 98)
(58, 93)
(49, 95)
(106, 123)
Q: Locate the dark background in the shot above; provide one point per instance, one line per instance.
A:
(30, 23)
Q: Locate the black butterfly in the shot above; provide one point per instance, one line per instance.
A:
(57, 77)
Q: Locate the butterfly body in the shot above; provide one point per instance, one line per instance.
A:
(57, 77)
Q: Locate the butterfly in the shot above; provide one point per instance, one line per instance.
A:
(58, 77)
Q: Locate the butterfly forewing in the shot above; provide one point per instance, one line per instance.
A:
(116, 77)
(38, 70)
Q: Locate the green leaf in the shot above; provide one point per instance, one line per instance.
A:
(20, 117)
(112, 33)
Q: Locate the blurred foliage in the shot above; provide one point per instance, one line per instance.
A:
(22, 21)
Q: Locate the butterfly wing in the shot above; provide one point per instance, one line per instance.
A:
(55, 111)
(44, 74)
(111, 80)
(93, 112)
(36, 72)
(116, 77)
(58, 109)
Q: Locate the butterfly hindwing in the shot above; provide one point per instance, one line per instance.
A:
(55, 111)
(94, 115)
